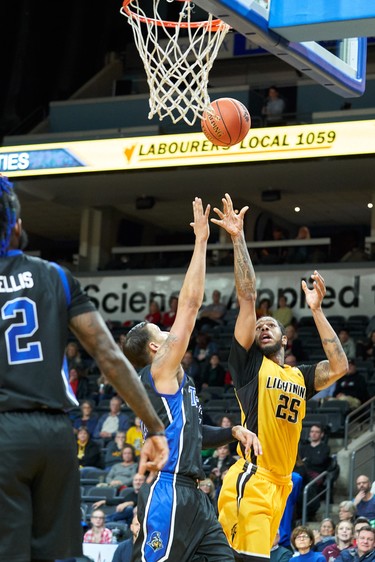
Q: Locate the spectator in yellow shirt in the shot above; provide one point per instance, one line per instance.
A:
(134, 435)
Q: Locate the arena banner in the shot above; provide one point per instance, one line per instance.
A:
(126, 296)
(189, 149)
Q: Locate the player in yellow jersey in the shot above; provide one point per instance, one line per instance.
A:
(272, 398)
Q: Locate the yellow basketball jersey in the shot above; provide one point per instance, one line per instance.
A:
(272, 399)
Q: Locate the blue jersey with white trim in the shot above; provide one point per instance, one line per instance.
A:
(37, 299)
(181, 414)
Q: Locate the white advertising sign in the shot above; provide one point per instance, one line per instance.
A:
(127, 297)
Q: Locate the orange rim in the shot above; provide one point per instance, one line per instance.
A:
(214, 25)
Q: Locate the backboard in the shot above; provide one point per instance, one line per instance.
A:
(341, 70)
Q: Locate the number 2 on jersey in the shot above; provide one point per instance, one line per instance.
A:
(24, 312)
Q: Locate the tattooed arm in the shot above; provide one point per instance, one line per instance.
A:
(326, 372)
(232, 221)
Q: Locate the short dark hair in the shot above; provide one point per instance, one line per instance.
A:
(319, 425)
(135, 346)
(361, 519)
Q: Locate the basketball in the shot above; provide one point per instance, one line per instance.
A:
(226, 122)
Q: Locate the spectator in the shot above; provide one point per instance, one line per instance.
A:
(365, 549)
(274, 255)
(273, 109)
(88, 452)
(352, 388)
(283, 312)
(264, 308)
(213, 373)
(114, 450)
(365, 499)
(124, 551)
(325, 536)
(109, 423)
(192, 369)
(73, 355)
(369, 347)
(125, 509)
(154, 314)
(204, 348)
(294, 344)
(87, 419)
(290, 360)
(344, 534)
(355, 249)
(301, 254)
(212, 314)
(79, 382)
(208, 487)
(278, 552)
(347, 511)
(98, 533)
(315, 454)
(302, 540)
(134, 436)
(226, 421)
(218, 463)
(121, 474)
(359, 523)
(105, 389)
(169, 316)
(347, 343)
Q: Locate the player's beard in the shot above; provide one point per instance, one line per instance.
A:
(270, 350)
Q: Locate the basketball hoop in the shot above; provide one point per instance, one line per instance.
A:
(177, 57)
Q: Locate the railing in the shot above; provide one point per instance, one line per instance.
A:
(190, 247)
(217, 253)
(359, 420)
(325, 490)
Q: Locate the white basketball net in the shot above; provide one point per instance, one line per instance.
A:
(177, 57)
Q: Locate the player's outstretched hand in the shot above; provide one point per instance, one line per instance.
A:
(248, 439)
(229, 219)
(200, 225)
(154, 455)
(315, 296)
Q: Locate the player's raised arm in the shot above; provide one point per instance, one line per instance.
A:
(233, 222)
(327, 372)
(168, 357)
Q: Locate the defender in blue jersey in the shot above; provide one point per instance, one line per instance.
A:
(177, 520)
(39, 476)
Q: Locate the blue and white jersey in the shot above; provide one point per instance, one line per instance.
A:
(37, 299)
(181, 414)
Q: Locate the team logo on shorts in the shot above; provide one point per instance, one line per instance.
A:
(233, 532)
(155, 541)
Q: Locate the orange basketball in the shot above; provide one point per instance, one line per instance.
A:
(226, 122)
